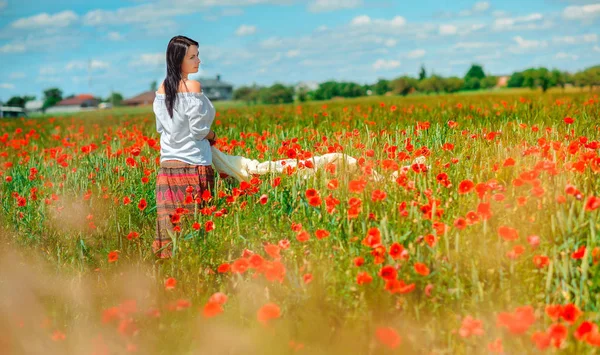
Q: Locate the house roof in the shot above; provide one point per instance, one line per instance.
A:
(77, 100)
(214, 83)
(143, 98)
(34, 105)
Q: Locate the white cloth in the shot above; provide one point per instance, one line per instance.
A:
(182, 137)
(242, 168)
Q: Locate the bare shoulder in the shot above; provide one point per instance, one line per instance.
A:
(193, 86)
(161, 88)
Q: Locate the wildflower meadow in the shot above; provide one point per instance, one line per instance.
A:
(482, 236)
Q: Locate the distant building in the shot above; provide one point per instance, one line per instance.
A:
(145, 98)
(306, 85)
(83, 102)
(34, 107)
(12, 111)
(215, 89)
(502, 81)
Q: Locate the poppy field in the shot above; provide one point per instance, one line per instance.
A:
(481, 237)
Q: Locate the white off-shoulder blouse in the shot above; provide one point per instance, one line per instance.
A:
(183, 137)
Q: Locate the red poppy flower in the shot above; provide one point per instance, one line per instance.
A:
(113, 256)
(212, 309)
(321, 233)
(363, 277)
(170, 283)
(388, 273)
(388, 336)
(465, 186)
(508, 233)
(267, 312)
(421, 269)
(396, 251)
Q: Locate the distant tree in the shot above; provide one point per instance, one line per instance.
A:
(115, 99)
(559, 78)
(404, 85)
(326, 90)
(302, 94)
(472, 83)
(476, 71)
(351, 90)
(249, 94)
(51, 97)
(592, 76)
(277, 94)
(516, 80)
(434, 83)
(154, 86)
(422, 73)
(544, 79)
(489, 82)
(19, 101)
(381, 87)
(579, 79)
(453, 84)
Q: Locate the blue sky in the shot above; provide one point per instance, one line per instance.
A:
(98, 46)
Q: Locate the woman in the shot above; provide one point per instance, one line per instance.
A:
(184, 116)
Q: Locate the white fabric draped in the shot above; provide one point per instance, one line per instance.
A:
(242, 168)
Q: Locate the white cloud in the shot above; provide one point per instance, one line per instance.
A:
(511, 23)
(585, 12)
(417, 53)
(361, 20)
(142, 14)
(447, 30)
(596, 48)
(563, 55)
(525, 44)
(81, 65)
(382, 64)
(44, 20)
(500, 13)
(149, 59)
(474, 45)
(390, 42)
(75, 65)
(245, 30)
(272, 42)
(292, 53)
(481, 6)
(98, 64)
(478, 8)
(6, 86)
(115, 36)
(365, 20)
(17, 75)
(332, 5)
(585, 38)
(13, 48)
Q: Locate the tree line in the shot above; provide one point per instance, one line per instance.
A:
(475, 79)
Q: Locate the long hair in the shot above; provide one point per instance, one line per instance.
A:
(176, 51)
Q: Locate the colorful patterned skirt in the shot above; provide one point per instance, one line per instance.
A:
(178, 186)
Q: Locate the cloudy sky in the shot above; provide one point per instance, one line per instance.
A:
(97, 46)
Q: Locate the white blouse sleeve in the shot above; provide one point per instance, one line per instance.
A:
(200, 116)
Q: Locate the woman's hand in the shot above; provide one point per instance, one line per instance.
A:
(211, 137)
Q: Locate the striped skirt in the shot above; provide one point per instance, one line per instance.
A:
(178, 185)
